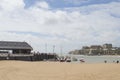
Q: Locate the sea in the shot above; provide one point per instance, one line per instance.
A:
(96, 59)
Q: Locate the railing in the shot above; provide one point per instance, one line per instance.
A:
(3, 54)
(27, 57)
(7, 54)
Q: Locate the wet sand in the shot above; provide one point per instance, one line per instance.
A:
(20, 70)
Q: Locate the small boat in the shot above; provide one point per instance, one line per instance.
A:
(82, 60)
(62, 59)
(68, 60)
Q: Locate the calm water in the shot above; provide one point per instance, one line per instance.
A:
(97, 59)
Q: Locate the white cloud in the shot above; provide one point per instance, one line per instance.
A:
(42, 4)
(70, 29)
(11, 5)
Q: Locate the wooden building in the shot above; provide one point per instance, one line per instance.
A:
(10, 50)
(15, 47)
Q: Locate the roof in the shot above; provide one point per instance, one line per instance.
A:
(10, 45)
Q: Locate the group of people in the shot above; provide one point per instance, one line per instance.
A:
(113, 61)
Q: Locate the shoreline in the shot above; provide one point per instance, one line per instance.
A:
(93, 55)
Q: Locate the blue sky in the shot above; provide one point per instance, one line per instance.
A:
(67, 23)
(69, 3)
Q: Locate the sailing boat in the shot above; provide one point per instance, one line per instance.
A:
(68, 59)
(90, 52)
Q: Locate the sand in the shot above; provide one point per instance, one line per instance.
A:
(20, 70)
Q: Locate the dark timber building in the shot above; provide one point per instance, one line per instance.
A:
(10, 50)
(15, 47)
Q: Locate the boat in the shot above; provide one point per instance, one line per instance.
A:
(68, 60)
(82, 60)
(62, 59)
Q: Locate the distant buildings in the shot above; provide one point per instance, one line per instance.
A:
(105, 49)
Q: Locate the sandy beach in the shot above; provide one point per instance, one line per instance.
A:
(20, 70)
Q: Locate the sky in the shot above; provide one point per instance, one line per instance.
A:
(60, 24)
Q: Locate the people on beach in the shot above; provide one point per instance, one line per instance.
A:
(105, 61)
(117, 61)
